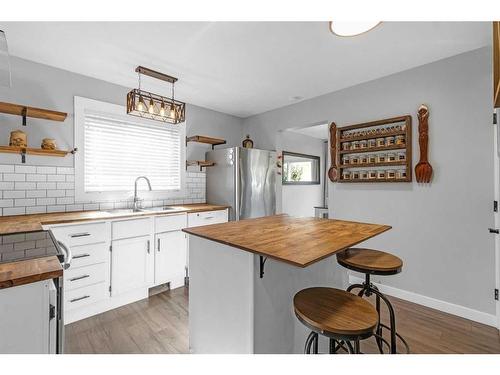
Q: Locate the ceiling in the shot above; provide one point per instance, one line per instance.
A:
(241, 68)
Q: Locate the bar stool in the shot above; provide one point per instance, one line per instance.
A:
(339, 315)
(375, 262)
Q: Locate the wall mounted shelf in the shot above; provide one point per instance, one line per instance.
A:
(200, 163)
(207, 140)
(27, 111)
(34, 151)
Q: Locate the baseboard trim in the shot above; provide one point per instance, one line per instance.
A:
(447, 307)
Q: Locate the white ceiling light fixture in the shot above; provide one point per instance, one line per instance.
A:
(352, 28)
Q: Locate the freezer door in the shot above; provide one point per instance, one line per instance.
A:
(221, 179)
(257, 183)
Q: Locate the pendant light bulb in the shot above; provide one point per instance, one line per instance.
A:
(172, 111)
(151, 108)
(162, 109)
(141, 106)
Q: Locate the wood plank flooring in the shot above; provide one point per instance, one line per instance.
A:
(160, 325)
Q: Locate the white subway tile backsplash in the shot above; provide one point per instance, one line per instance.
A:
(39, 189)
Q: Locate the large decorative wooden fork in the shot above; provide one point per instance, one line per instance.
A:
(423, 170)
(333, 172)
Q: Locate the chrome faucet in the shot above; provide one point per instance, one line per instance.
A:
(136, 198)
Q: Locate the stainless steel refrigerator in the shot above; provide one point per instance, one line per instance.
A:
(244, 179)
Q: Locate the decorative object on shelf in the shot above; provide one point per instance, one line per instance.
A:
(153, 106)
(366, 145)
(5, 74)
(18, 138)
(247, 142)
(333, 171)
(48, 144)
(26, 111)
(423, 170)
(205, 139)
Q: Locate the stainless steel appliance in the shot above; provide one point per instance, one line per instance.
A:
(244, 179)
(31, 315)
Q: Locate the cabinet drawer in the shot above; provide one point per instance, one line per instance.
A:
(89, 254)
(131, 228)
(170, 223)
(83, 276)
(85, 296)
(82, 234)
(207, 218)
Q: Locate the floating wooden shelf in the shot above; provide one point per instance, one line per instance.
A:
(199, 163)
(204, 139)
(364, 165)
(26, 111)
(34, 151)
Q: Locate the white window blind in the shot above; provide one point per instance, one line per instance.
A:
(118, 149)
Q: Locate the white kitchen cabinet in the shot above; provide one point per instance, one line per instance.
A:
(170, 258)
(131, 262)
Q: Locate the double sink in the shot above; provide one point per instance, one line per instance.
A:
(150, 209)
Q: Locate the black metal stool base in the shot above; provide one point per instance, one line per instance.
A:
(367, 289)
(312, 344)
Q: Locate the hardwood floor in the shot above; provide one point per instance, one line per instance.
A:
(160, 325)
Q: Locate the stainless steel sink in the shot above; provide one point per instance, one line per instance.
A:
(156, 209)
(149, 209)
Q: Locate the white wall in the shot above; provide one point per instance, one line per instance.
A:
(439, 230)
(51, 88)
(300, 200)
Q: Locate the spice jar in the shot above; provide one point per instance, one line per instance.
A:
(380, 174)
(363, 144)
(401, 156)
(363, 175)
(363, 159)
(346, 146)
(391, 157)
(391, 173)
(372, 158)
(372, 143)
(372, 175)
(380, 142)
(346, 175)
(400, 140)
(401, 173)
(345, 160)
(355, 175)
(354, 159)
(355, 145)
(380, 158)
(389, 141)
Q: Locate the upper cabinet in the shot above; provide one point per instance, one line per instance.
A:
(496, 64)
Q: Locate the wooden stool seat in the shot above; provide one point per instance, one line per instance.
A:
(370, 261)
(335, 313)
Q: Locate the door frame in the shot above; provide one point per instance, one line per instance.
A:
(496, 173)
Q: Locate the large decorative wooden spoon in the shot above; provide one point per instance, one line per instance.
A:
(423, 170)
(333, 172)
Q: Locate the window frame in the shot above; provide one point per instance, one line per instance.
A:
(305, 156)
(80, 105)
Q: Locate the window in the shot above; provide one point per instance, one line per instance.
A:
(300, 169)
(114, 149)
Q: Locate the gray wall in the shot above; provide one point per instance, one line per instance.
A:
(47, 87)
(439, 230)
(300, 200)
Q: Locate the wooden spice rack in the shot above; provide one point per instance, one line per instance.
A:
(403, 121)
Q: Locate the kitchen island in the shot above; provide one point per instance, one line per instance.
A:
(244, 274)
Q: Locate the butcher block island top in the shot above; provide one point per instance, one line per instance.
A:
(297, 241)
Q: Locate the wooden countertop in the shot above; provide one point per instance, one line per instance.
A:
(28, 223)
(297, 241)
(29, 271)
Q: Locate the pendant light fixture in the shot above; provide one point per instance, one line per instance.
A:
(158, 107)
(5, 74)
(352, 28)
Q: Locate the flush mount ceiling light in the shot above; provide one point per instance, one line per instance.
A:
(352, 28)
(5, 79)
(152, 106)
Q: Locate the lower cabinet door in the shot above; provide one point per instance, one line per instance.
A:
(170, 258)
(131, 259)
